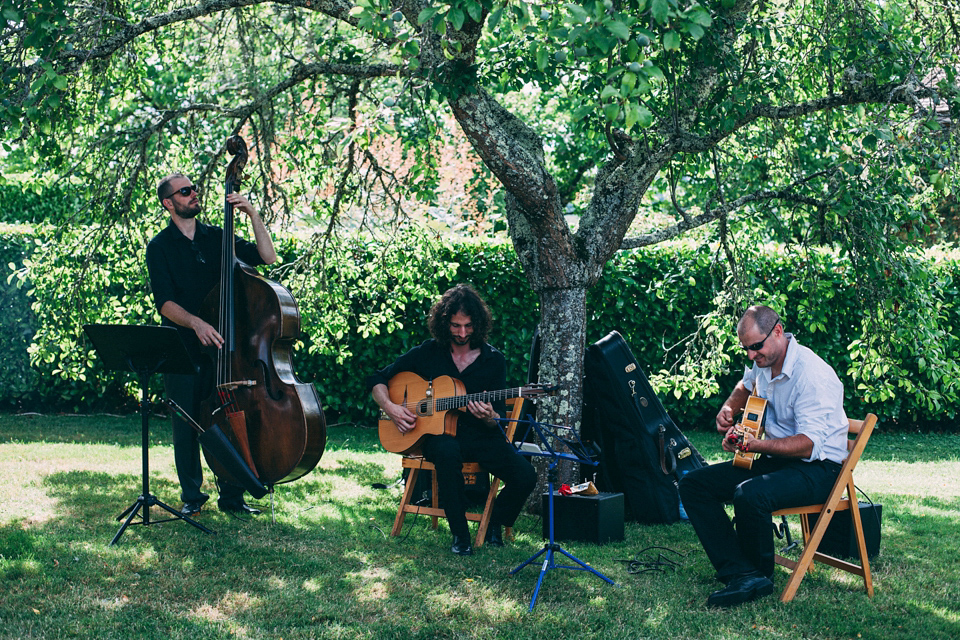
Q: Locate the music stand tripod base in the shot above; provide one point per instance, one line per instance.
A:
(551, 548)
(145, 350)
(144, 502)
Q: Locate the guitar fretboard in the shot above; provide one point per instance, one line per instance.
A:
(455, 402)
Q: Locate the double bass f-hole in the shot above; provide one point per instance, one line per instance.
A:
(272, 391)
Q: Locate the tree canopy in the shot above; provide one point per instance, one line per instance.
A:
(606, 124)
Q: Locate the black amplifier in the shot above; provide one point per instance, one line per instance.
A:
(840, 541)
(597, 519)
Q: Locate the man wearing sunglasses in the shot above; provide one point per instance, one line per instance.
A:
(183, 261)
(798, 461)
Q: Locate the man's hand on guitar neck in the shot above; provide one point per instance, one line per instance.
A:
(483, 411)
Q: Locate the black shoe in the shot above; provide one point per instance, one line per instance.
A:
(742, 588)
(241, 508)
(494, 537)
(461, 546)
(191, 508)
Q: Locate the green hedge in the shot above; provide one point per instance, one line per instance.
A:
(17, 323)
(362, 306)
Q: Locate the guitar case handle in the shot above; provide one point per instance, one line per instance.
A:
(668, 461)
(667, 458)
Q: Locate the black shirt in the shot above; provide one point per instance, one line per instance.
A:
(431, 360)
(185, 271)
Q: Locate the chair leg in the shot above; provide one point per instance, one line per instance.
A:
(487, 512)
(811, 544)
(434, 499)
(404, 501)
(861, 542)
(805, 527)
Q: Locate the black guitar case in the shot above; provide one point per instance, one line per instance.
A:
(643, 453)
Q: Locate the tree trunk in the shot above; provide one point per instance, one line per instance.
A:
(563, 328)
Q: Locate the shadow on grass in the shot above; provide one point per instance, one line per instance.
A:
(326, 568)
(124, 431)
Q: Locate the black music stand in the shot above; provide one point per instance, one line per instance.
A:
(145, 350)
(577, 453)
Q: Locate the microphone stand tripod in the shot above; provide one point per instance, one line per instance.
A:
(551, 548)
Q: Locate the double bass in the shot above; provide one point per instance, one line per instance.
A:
(273, 419)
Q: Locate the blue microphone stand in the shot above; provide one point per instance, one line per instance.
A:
(551, 548)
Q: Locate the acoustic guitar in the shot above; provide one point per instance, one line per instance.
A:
(753, 421)
(435, 403)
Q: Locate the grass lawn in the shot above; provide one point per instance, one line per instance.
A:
(327, 567)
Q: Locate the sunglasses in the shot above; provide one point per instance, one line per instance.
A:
(756, 346)
(185, 191)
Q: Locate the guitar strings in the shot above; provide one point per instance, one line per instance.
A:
(453, 402)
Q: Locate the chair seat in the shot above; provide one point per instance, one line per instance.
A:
(843, 505)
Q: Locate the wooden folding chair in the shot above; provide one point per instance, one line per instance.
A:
(861, 429)
(471, 473)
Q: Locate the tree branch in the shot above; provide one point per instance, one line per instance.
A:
(76, 58)
(786, 194)
(890, 93)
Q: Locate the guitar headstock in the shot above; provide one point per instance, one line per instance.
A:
(539, 389)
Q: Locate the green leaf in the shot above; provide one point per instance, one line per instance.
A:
(654, 72)
(543, 56)
(611, 111)
(644, 116)
(632, 115)
(659, 9)
(700, 16)
(608, 92)
(456, 18)
(579, 13)
(619, 29)
(475, 11)
(582, 112)
(426, 14)
(671, 41)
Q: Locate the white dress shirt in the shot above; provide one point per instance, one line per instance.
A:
(806, 398)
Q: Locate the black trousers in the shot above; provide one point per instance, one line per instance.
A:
(185, 391)
(496, 456)
(771, 484)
